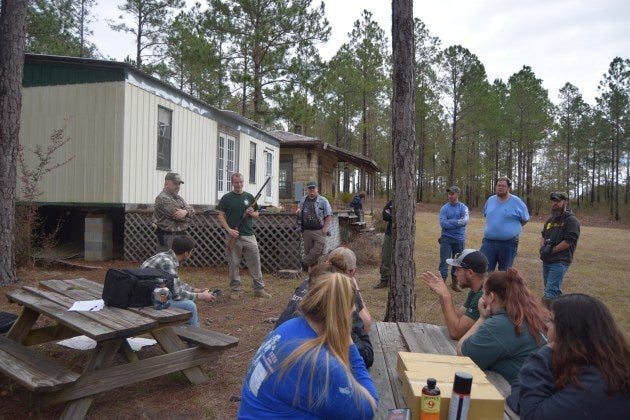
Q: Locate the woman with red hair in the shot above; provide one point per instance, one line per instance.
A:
(510, 327)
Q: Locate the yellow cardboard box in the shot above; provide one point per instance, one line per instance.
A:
(486, 403)
(413, 361)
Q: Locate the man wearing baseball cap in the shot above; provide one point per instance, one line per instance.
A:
(453, 221)
(314, 216)
(171, 213)
(558, 241)
(471, 270)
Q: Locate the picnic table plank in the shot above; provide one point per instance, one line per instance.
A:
(114, 318)
(427, 338)
(59, 312)
(84, 289)
(33, 370)
(205, 338)
(98, 381)
(392, 342)
(378, 372)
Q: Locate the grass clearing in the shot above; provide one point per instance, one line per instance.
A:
(600, 266)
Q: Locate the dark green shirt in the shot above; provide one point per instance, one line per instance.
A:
(472, 304)
(234, 206)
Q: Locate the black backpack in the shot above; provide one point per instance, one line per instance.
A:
(132, 287)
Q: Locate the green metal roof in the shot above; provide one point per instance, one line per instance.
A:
(49, 72)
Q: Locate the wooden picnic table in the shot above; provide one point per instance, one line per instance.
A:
(110, 327)
(389, 338)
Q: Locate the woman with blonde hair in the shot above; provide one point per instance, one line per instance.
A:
(308, 367)
(584, 371)
(340, 260)
(510, 327)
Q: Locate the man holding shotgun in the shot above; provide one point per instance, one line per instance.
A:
(238, 208)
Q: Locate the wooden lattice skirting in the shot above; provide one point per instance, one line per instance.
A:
(279, 240)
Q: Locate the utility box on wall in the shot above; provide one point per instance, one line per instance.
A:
(98, 239)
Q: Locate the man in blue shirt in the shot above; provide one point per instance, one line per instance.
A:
(505, 214)
(453, 220)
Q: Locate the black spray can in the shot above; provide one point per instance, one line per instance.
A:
(460, 399)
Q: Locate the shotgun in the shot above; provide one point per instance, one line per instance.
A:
(231, 240)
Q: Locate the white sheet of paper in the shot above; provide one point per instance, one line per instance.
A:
(88, 305)
(86, 343)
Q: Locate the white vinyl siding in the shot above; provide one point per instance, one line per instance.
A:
(93, 115)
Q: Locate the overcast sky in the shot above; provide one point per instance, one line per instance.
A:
(561, 40)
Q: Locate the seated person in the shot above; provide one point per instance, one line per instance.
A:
(510, 327)
(470, 273)
(584, 371)
(308, 367)
(338, 261)
(184, 295)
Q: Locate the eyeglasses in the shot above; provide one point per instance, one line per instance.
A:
(311, 188)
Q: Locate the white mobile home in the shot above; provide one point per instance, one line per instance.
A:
(127, 130)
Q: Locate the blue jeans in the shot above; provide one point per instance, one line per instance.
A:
(499, 252)
(553, 274)
(448, 248)
(190, 306)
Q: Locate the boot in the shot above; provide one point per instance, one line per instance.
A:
(262, 293)
(547, 302)
(455, 285)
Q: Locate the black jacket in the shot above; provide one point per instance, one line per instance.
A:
(359, 336)
(564, 227)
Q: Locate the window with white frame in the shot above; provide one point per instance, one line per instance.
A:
(252, 162)
(226, 160)
(164, 140)
(285, 177)
(268, 171)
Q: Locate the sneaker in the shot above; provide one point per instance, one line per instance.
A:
(304, 266)
(262, 293)
(236, 295)
(381, 285)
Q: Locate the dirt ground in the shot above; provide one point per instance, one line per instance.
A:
(171, 396)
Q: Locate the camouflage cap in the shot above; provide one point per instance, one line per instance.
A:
(174, 176)
(557, 196)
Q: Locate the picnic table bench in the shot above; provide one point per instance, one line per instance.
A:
(110, 327)
(389, 338)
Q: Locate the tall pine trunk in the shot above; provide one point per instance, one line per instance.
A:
(401, 302)
(12, 30)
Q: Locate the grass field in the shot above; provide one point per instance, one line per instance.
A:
(600, 267)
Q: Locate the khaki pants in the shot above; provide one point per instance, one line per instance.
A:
(244, 247)
(314, 244)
